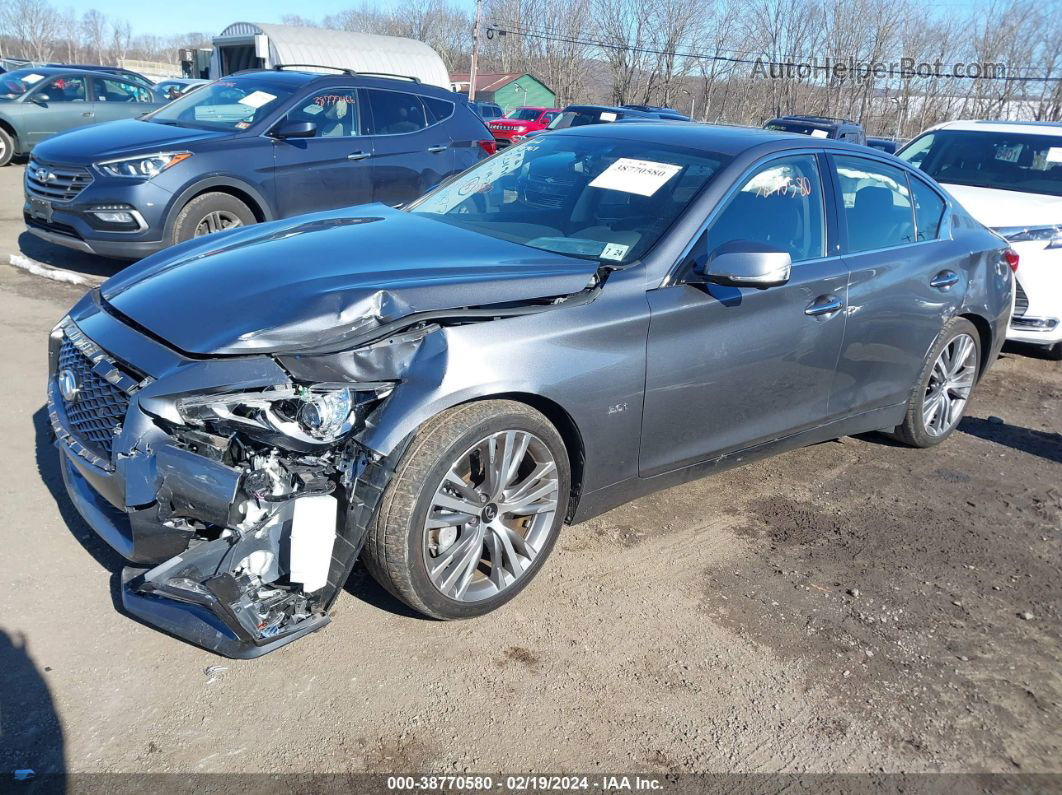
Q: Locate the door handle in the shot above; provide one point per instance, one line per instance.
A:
(438, 148)
(944, 280)
(87, 114)
(824, 305)
(359, 155)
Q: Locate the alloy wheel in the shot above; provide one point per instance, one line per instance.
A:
(949, 385)
(491, 516)
(216, 221)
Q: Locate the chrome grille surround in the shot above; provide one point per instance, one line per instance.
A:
(89, 424)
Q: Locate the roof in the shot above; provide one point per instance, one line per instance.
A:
(724, 140)
(362, 52)
(490, 82)
(1030, 127)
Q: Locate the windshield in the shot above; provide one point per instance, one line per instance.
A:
(1002, 160)
(14, 84)
(593, 198)
(523, 114)
(227, 104)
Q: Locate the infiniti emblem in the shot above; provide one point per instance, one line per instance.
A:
(68, 386)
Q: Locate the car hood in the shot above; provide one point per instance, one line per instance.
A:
(87, 145)
(310, 281)
(999, 208)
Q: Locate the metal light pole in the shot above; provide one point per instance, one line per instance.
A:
(475, 53)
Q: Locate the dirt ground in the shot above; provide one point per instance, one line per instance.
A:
(853, 606)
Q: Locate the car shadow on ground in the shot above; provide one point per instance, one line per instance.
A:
(30, 726)
(1044, 444)
(68, 259)
(360, 584)
(1027, 349)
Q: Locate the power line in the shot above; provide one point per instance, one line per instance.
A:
(584, 40)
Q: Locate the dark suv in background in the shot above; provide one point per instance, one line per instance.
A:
(820, 127)
(250, 147)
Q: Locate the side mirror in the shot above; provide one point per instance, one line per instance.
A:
(40, 99)
(745, 263)
(295, 129)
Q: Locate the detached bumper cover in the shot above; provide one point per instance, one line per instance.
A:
(208, 625)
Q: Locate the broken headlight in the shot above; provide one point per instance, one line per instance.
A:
(311, 415)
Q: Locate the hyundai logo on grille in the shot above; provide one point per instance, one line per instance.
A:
(44, 175)
(68, 386)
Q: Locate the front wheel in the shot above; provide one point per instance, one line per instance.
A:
(473, 511)
(209, 213)
(940, 395)
(7, 147)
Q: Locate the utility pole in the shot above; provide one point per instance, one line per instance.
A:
(475, 53)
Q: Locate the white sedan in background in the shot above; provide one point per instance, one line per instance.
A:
(1008, 175)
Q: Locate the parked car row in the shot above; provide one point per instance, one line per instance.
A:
(435, 390)
(251, 147)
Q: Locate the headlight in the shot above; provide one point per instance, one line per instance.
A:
(142, 166)
(1023, 234)
(312, 415)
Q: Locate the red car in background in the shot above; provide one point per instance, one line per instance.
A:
(512, 128)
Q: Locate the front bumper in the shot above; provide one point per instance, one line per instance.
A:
(184, 515)
(68, 223)
(1037, 316)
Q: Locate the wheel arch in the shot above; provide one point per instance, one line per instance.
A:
(9, 128)
(984, 332)
(254, 200)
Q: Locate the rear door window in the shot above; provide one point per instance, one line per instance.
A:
(395, 112)
(876, 204)
(110, 90)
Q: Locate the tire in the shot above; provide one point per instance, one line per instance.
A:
(400, 546)
(7, 147)
(951, 389)
(219, 210)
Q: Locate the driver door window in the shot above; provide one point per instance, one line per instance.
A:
(63, 89)
(335, 111)
(781, 206)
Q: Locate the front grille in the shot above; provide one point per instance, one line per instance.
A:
(98, 408)
(58, 183)
(1021, 300)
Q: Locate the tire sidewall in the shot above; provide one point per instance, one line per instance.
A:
(7, 147)
(444, 607)
(198, 208)
(954, 328)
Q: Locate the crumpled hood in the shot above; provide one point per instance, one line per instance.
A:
(87, 145)
(301, 283)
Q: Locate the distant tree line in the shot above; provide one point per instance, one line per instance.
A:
(726, 61)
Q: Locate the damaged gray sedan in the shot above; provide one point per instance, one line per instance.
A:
(435, 391)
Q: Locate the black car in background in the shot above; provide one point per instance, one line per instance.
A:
(254, 146)
(820, 127)
(887, 145)
(660, 112)
(488, 111)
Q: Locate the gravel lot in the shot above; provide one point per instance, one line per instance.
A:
(853, 606)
